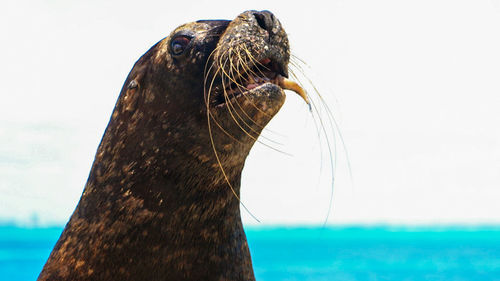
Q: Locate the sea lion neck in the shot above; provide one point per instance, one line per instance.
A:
(140, 221)
(124, 235)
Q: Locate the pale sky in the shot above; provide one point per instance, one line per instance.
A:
(414, 87)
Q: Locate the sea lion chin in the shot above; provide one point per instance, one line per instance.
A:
(162, 198)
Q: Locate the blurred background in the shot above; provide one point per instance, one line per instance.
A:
(414, 89)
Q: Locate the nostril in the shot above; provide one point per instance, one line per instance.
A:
(265, 20)
(261, 20)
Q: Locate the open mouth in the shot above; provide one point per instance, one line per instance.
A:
(265, 71)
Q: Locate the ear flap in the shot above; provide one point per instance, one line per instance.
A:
(132, 90)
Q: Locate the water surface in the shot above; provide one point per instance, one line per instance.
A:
(340, 253)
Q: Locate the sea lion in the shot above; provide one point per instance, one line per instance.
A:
(162, 198)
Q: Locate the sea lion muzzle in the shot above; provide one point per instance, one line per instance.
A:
(253, 51)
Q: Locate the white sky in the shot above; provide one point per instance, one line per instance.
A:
(414, 86)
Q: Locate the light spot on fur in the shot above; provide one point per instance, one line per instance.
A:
(79, 264)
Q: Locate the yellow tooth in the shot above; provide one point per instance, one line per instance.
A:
(290, 85)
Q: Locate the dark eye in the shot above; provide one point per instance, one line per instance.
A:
(179, 44)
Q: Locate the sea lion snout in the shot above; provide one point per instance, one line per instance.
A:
(251, 61)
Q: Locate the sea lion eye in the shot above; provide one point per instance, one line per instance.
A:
(179, 44)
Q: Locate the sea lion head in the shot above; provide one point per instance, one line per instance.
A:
(213, 84)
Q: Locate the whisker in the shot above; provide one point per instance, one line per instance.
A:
(243, 110)
(232, 112)
(207, 99)
(219, 161)
(331, 124)
(227, 99)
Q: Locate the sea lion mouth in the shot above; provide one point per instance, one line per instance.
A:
(266, 73)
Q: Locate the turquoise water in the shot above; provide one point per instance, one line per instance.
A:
(344, 253)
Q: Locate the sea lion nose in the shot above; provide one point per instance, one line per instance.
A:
(267, 21)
